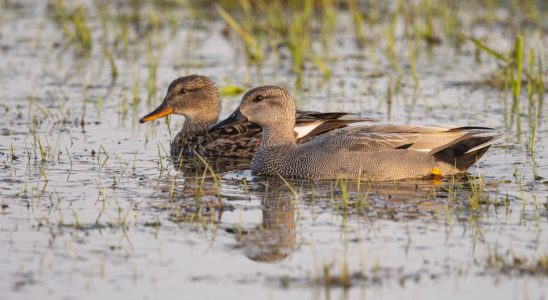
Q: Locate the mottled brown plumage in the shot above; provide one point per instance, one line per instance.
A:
(196, 98)
(374, 152)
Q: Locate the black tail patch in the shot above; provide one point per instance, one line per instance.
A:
(458, 153)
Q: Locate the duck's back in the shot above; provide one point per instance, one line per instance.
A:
(378, 155)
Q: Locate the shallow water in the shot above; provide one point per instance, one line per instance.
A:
(105, 214)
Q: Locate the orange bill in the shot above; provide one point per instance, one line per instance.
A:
(160, 112)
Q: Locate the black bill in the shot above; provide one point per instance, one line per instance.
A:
(234, 118)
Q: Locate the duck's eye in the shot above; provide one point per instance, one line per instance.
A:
(259, 98)
(183, 91)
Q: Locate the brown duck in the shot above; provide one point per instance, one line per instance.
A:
(197, 99)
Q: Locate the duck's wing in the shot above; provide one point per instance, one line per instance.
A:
(310, 124)
(308, 114)
(412, 137)
(459, 147)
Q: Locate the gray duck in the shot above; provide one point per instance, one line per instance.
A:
(369, 152)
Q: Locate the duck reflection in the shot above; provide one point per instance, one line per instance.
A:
(274, 239)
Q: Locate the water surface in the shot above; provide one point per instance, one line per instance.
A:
(102, 212)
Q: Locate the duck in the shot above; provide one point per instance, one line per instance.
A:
(197, 99)
(376, 152)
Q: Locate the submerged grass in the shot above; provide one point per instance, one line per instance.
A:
(293, 36)
(74, 25)
(510, 263)
(514, 73)
(253, 50)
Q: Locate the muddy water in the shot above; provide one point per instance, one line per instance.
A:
(105, 214)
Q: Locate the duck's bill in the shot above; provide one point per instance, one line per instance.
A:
(234, 118)
(160, 112)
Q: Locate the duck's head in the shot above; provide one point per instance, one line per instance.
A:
(193, 96)
(265, 106)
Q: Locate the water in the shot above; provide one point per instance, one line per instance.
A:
(115, 218)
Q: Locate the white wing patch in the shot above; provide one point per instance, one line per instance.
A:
(488, 143)
(303, 130)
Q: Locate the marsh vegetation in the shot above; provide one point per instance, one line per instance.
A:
(91, 201)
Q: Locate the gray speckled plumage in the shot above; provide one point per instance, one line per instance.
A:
(376, 152)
